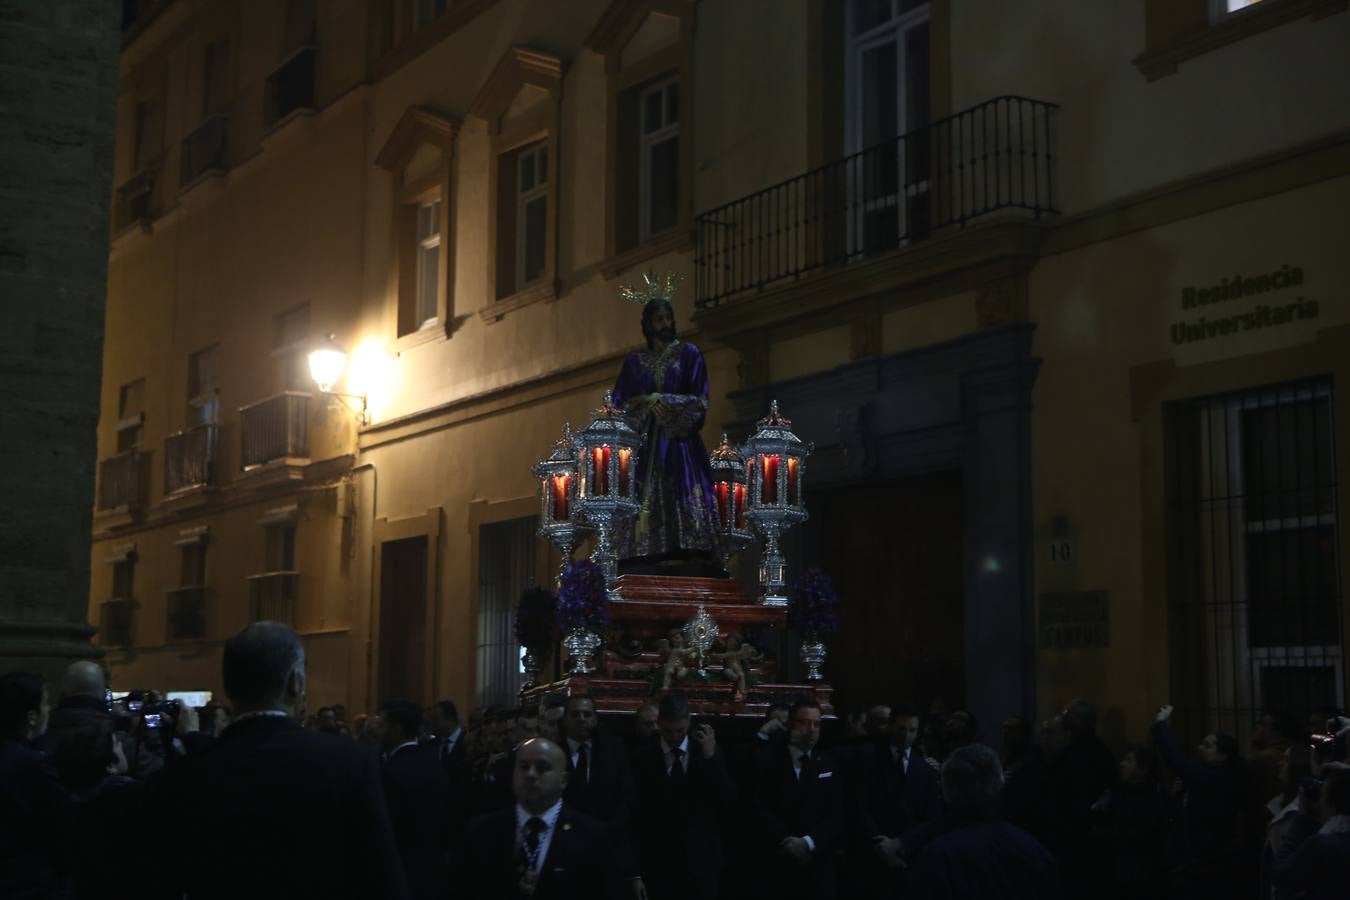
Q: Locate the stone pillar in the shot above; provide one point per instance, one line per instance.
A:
(58, 89)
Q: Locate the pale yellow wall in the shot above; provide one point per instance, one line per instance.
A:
(1102, 310)
(927, 323)
(330, 582)
(814, 352)
(1119, 133)
(752, 80)
(220, 268)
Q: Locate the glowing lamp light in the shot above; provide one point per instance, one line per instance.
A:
(326, 363)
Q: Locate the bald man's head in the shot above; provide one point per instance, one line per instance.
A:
(84, 678)
(540, 774)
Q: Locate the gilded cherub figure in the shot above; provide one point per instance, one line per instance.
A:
(675, 654)
(734, 659)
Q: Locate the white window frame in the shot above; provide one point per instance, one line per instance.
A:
(130, 420)
(428, 317)
(531, 154)
(1219, 9)
(204, 405)
(892, 31)
(647, 144)
(1246, 692)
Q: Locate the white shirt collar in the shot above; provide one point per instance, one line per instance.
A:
(684, 746)
(1279, 809)
(452, 738)
(574, 746)
(1337, 824)
(550, 817)
(402, 746)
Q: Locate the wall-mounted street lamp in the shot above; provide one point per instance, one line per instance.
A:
(325, 366)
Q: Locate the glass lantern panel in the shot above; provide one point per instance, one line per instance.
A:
(768, 491)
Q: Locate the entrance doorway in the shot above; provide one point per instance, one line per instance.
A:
(403, 619)
(895, 550)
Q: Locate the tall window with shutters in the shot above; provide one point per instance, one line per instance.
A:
(658, 157)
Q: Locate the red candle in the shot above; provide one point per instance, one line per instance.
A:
(624, 487)
(722, 489)
(768, 486)
(600, 462)
(739, 498)
(561, 483)
(792, 480)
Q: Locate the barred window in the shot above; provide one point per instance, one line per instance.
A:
(1254, 563)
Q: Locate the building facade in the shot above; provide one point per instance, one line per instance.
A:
(1055, 293)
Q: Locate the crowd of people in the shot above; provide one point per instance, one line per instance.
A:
(254, 800)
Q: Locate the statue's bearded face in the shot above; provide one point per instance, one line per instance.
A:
(658, 321)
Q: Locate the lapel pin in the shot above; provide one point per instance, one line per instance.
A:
(567, 826)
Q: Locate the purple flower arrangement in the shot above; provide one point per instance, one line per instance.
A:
(537, 619)
(814, 612)
(583, 601)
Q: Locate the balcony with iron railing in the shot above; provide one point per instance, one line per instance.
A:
(275, 429)
(203, 150)
(272, 596)
(998, 156)
(135, 200)
(122, 480)
(189, 459)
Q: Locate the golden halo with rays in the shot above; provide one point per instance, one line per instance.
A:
(652, 287)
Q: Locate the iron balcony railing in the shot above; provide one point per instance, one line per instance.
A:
(273, 596)
(135, 197)
(189, 458)
(204, 149)
(995, 156)
(121, 480)
(187, 613)
(275, 428)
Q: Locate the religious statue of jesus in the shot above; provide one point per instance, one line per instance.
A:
(664, 391)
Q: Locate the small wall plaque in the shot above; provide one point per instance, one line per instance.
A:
(1075, 619)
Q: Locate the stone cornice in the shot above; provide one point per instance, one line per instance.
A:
(419, 125)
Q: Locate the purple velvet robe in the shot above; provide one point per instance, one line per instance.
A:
(674, 479)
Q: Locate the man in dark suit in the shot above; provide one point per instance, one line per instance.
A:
(599, 778)
(797, 811)
(445, 733)
(894, 792)
(422, 805)
(271, 810)
(540, 847)
(974, 854)
(32, 801)
(684, 792)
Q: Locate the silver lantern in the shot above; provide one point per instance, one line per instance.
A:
(775, 462)
(606, 455)
(732, 493)
(558, 517)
